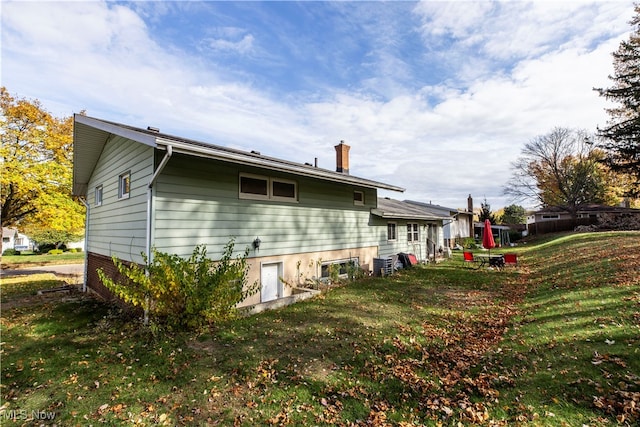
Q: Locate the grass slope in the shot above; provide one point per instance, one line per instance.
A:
(555, 341)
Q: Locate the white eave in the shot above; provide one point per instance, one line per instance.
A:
(95, 133)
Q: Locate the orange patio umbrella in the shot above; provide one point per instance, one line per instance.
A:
(487, 237)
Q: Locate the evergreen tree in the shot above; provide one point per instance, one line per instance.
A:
(485, 212)
(622, 134)
(514, 214)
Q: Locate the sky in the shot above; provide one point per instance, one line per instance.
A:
(438, 97)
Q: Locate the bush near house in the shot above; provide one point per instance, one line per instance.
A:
(184, 293)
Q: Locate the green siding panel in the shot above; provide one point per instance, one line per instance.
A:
(197, 202)
(118, 226)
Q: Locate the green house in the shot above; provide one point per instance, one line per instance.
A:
(144, 189)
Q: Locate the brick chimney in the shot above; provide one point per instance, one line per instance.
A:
(342, 158)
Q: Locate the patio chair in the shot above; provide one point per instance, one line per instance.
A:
(511, 259)
(468, 257)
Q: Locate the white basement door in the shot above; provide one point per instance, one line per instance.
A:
(270, 282)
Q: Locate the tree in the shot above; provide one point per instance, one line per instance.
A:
(36, 156)
(621, 135)
(485, 212)
(53, 237)
(514, 214)
(561, 169)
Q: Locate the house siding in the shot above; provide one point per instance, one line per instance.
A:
(401, 244)
(197, 202)
(118, 226)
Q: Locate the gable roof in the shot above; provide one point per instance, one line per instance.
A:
(396, 209)
(90, 135)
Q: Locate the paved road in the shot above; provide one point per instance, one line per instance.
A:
(60, 270)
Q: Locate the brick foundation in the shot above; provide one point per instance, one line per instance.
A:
(94, 262)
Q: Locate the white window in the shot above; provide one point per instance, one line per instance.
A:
(412, 233)
(551, 216)
(344, 267)
(98, 201)
(124, 185)
(283, 189)
(259, 187)
(391, 231)
(254, 187)
(358, 198)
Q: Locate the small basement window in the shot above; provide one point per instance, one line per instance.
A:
(343, 267)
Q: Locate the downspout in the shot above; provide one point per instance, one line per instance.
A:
(161, 166)
(86, 243)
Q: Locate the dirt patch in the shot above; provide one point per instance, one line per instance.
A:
(63, 294)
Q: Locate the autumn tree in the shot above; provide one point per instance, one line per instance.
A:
(36, 156)
(621, 133)
(561, 169)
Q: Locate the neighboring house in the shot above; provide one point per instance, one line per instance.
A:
(410, 228)
(459, 223)
(553, 219)
(144, 189)
(13, 239)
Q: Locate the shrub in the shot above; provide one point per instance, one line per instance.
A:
(187, 293)
(10, 251)
(55, 252)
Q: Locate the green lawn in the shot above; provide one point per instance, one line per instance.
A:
(555, 341)
(17, 261)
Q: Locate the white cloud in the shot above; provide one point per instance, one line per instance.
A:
(520, 70)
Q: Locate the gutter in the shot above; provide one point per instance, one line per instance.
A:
(161, 166)
(86, 243)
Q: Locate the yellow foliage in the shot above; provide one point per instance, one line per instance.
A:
(37, 169)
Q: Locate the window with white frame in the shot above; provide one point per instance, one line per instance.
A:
(344, 267)
(412, 232)
(551, 216)
(260, 187)
(98, 195)
(284, 189)
(391, 231)
(358, 198)
(124, 185)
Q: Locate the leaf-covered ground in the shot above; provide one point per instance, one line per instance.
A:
(555, 341)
